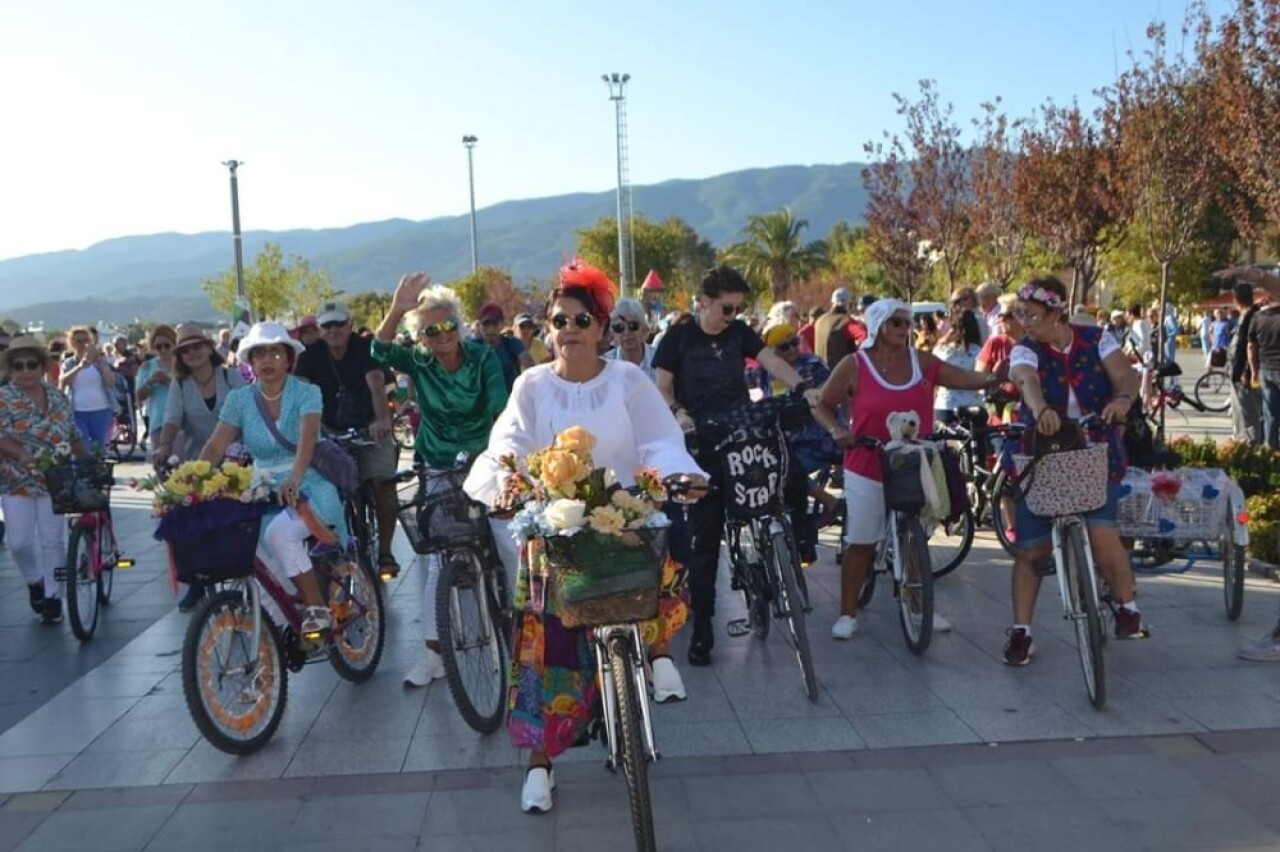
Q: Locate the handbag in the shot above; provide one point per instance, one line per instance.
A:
(1061, 474)
(327, 459)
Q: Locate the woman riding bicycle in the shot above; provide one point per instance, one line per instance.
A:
(294, 407)
(553, 687)
(1068, 371)
(35, 417)
(885, 376)
(460, 391)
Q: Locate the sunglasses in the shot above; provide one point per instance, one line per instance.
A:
(189, 348)
(268, 355)
(620, 326)
(729, 310)
(20, 366)
(561, 321)
(332, 324)
(438, 328)
(897, 322)
(162, 347)
(788, 344)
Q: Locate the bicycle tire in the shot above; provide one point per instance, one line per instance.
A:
(1233, 570)
(227, 609)
(81, 590)
(359, 613)
(476, 681)
(791, 606)
(1087, 621)
(361, 520)
(107, 571)
(977, 494)
(1000, 487)
(946, 557)
(634, 761)
(915, 592)
(1213, 391)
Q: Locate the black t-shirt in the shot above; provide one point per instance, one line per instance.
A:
(709, 371)
(318, 366)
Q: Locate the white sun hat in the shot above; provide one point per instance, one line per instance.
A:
(267, 334)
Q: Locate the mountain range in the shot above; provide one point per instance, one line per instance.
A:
(158, 276)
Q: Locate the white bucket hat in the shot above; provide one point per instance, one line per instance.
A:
(267, 334)
(877, 312)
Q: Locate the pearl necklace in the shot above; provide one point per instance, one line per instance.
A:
(268, 398)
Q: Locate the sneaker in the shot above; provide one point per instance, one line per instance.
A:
(195, 592)
(1129, 625)
(315, 619)
(430, 667)
(1020, 648)
(51, 611)
(667, 684)
(940, 624)
(1264, 650)
(704, 639)
(844, 628)
(539, 784)
(35, 594)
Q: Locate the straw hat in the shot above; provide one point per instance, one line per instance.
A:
(191, 334)
(23, 343)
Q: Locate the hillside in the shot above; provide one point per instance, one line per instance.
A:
(158, 276)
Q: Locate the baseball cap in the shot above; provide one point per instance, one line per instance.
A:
(490, 310)
(331, 312)
(840, 296)
(308, 321)
(521, 319)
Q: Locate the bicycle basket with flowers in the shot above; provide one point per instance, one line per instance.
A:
(75, 485)
(597, 548)
(210, 516)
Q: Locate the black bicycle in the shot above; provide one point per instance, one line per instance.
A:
(361, 511)
(752, 446)
(473, 603)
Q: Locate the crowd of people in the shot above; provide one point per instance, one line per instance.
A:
(642, 387)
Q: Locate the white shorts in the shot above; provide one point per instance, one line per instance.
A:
(863, 509)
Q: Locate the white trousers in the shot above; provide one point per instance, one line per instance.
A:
(37, 539)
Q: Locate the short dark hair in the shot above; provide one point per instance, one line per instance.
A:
(583, 295)
(723, 279)
(1243, 293)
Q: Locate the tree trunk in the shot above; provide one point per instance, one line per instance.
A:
(1164, 297)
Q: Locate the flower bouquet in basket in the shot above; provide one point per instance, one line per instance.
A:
(210, 516)
(597, 548)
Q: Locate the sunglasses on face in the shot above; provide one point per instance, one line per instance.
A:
(729, 310)
(189, 348)
(897, 322)
(332, 324)
(621, 326)
(788, 344)
(561, 321)
(438, 328)
(162, 347)
(20, 366)
(268, 355)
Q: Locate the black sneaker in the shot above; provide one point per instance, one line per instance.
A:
(703, 641)
(51, 611)
(35, 594)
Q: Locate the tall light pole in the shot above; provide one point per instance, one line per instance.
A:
(617, 84)
(235, 224)
(470, 143)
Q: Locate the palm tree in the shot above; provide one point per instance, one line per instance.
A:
(774, 252)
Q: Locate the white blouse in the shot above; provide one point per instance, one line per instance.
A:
(623, 410)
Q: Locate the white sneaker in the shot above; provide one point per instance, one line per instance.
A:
(539, 784)
(430, 667)
(667, 684)
(844, 628)
(940, 624)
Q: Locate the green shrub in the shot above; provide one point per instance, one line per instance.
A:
(1264, 527)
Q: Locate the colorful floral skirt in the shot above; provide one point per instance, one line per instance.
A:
(553, 693)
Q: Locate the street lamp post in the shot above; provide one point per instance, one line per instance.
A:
(470, 143)
(617, 84)
(235, 224)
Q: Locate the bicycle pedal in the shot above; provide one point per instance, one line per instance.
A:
(386, 575)
(123, 563)
(739, 627)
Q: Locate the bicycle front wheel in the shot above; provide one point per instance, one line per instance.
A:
(82, 583)
(1082, 590)
(950, 544)
(235, 692)
(1213, 391)
(1002, 501)
(110, 550)
(914, 576)
(471, 642)
(1233, 568)
(633, 759)
(791, 607)
(360, 625)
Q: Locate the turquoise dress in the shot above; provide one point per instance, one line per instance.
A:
(240, 410)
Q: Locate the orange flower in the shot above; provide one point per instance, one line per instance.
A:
(561, 470)
(576, 440)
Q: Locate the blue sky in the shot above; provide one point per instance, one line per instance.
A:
(117, 115)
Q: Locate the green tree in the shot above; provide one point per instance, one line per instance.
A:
(775, 254)
(275, 287)
(368, 308)
(672, 248)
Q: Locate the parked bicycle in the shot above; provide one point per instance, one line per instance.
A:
(245, 637)
(1211, 393)
(473, 603)
(81, 489)
(762, 543)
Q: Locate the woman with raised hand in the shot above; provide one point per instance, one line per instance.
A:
(88, 379)
(553, 687)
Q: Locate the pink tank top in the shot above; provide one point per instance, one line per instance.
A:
(876, 400)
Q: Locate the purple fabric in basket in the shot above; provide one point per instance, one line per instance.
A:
(206, 517)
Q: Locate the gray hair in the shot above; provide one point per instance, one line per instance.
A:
(778, 313)
(990, 288)
(433, 298)
(630, 309)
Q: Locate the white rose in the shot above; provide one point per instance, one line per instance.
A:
(565, 514)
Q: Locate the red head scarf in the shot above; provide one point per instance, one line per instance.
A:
(580, 275)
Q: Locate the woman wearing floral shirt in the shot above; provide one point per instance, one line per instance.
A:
(35, 418)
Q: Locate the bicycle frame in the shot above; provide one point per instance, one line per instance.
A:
(94, 523)
(1060, 526)
(604, 677)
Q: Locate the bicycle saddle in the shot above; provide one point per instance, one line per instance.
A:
(1168, 368)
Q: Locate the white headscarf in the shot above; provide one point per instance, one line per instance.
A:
(879, 311)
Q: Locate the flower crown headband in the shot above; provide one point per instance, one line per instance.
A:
(1036, 293)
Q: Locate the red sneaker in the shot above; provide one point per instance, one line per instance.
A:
(1129, 625)
(1020, 648)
